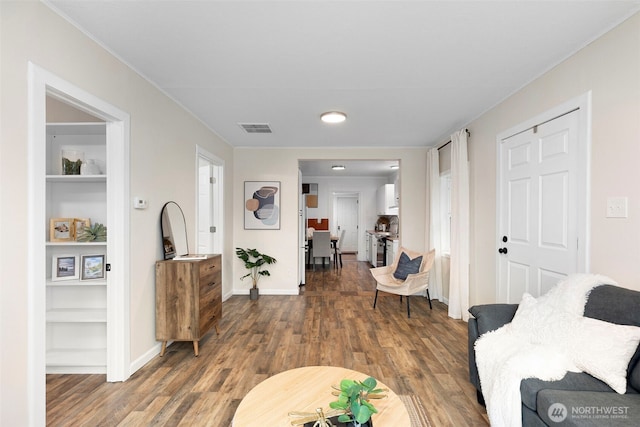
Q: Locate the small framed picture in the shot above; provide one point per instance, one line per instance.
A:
(64, 267)
(92, 267)
(61, 229)
(79, 225)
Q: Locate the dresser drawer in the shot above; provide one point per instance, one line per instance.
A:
(208, 285)
(208, 316)
(210, 266)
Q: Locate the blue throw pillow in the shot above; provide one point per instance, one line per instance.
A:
(407, 266)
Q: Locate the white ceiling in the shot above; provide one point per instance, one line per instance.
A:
(362, 168)
(407, 73)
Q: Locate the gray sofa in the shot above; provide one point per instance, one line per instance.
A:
(589, 401)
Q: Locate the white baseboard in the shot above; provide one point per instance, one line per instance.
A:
(269, 291)
(145, 358)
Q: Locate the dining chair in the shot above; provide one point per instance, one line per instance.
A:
(337, 249)
(321, 247)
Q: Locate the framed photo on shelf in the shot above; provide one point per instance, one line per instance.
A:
(92, 267)
(79, 225)
(61, 229)
(262, 205)
(64, 267)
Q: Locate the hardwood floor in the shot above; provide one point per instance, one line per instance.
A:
(331, 322)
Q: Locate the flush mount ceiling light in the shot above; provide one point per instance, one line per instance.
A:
(338, 167)
(333, 117)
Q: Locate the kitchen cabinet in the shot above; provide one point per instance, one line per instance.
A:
(368, 247)
(188, 299)
(392, 250)
(373, 251)
(396, 191)
(371, 248)
(386, 200)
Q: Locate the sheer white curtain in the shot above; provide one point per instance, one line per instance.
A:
(459, 279)
(435, 232)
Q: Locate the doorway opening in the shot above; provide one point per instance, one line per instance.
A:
(359, 181)
(44, 86)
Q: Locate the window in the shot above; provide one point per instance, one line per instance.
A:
(445, 212)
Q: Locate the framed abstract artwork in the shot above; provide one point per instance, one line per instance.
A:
(262, 205)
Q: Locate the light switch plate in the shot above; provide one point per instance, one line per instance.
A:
(617, 207)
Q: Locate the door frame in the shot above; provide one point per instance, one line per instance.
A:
(42, 83)
(581, 104)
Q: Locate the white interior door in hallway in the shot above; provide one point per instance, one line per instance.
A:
(210, 202)
(346, 214)
(542, 181)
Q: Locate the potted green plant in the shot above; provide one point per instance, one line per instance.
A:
(254, 261)
(353, 400)
(95, 233)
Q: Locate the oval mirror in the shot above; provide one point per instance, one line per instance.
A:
(174, 231)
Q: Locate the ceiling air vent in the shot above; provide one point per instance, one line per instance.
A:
(255, 127)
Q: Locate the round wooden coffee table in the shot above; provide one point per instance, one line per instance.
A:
(304, 390)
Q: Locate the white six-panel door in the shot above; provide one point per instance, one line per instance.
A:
(538, 208)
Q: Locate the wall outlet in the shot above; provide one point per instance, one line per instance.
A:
(617, 207)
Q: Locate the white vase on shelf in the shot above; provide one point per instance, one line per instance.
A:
(89, 168)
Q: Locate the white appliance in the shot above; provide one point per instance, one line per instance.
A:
(302, 232)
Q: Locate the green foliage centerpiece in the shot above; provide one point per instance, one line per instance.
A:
(353, 400)
(254, 261)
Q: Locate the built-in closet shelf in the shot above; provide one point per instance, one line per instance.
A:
(76, 178)
(77, 315)
(76, 357)
(95, 282)
(72, 243)
(76, 310)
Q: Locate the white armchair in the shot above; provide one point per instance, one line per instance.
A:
(413, 284)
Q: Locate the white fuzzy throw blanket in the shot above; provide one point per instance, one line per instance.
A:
(533, 345)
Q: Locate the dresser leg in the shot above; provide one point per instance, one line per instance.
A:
(217, 331)
(195, 348)
(163, 349)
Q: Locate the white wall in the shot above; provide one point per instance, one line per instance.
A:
(163, 140)
(282, 165)
(610, 68)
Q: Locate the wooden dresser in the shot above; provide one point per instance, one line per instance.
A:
(188, 299)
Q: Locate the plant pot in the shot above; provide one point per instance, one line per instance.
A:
(334, 421)
(253, 294)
